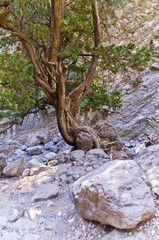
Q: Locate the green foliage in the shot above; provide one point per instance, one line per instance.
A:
(115, 58)
(137, 82)
(17, 90)
(77, 29)
(75, 75)
(4, 114)
(17, 87)
(98, 97)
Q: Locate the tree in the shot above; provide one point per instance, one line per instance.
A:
(71, 32)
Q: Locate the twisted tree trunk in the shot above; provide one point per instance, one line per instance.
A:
(54, 85)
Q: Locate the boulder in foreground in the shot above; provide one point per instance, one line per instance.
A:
(114, 194)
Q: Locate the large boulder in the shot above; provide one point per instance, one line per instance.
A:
(84, 141)
(114, 194)
(15, 169)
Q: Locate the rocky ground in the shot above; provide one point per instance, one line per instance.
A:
(29, 212)
(36, 203)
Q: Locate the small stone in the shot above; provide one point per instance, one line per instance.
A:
(50, 156)
(26, 172)
(96, 166)
(86, 164)
(56, 139)
(75, 177)
(53, 149)
(23, 147)
(34, 161)
(89, 169)
(63, 177)
(43, 136)
(36, 150)
(77, 155)
(48, 145)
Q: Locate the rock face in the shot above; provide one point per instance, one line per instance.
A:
(33, 122)
(148, 160)
(114, 194)
(15, 169)
(139, 115)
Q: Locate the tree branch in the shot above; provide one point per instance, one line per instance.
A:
(38, 72)
(78, 94)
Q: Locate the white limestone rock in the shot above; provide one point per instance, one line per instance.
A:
(114, 194)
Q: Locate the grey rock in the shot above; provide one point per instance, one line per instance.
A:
(148, 157)
(53, 149)
(76, 171)
(45, 192)
(114, 194)
(23, 147)
(63, 177)
(43, 136)
(3, 163)
(15, 169)
(48, 145)
(155, 66)
(139, 114)
(25, 224)
(34, 161)
(35, 150)
(32, 125)
(14, 216)
(89, 169)
(5, 234)
(99, 153)
(75, 177)
(38, 169)
(19, 152)
(77, 155)
(60, 158)
(123, 235)
(50, 156)
(57, 139)
(61, 169)
(32, 140)
(153, 178)
(84, 141)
